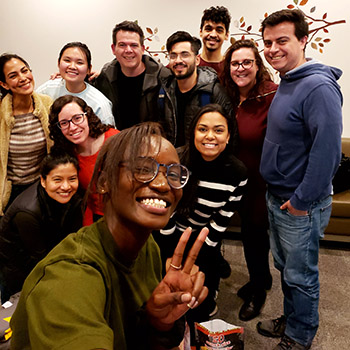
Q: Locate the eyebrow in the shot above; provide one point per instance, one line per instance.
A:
(15, 72)
(215, 126)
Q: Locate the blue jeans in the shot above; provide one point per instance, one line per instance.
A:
(294, 244)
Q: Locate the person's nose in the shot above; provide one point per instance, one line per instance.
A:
(22, 76)
(210, 135)
(240, 68)
(72, 65)
(128, 48)
(65, 185)
(160, 182)
(178, 59)
(72, 126)
(274, 47)
(213, 33)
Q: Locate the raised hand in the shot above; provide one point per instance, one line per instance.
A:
(180, 289)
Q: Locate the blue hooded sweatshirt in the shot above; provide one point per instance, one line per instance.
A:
(302, 147)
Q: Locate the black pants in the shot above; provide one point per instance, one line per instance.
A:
(255, 239)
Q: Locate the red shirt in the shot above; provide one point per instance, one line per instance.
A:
(86, 168)
(218, 66)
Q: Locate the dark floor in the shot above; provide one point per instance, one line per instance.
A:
(334, 330)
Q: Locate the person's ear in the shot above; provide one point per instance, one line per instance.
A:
(4, 85)
(303, 42)
(42, 181)
(198, 60)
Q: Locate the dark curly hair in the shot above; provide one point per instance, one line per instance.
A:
(96, 127)
(218, 14)
(262, 74)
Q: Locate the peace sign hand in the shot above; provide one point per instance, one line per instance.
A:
(179, 290)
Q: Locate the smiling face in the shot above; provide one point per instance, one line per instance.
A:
(282, 48)
(185, 62)
(128, 51)
(73, 66)
(213, 35)
(243, 78)
(61, 183)
(77, 134)
(211, 135)
(146, 207)
(18, 78)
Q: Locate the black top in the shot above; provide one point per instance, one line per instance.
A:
(32, 225)
(129, 95)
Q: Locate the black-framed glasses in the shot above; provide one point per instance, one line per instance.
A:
(76, 120)
(246, 64)
(145, 169)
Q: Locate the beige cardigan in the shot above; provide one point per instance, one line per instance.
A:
(42, 104)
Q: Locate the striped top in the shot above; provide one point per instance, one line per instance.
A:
(26, 150)
(219, 193)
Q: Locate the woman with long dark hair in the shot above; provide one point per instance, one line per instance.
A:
(24, 134)
(251, 89)
(213, 194)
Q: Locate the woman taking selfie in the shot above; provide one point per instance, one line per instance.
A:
(106, 289)
(24, 134)
(74, 65)
(38, 219)
(75, 128)
(251, 89)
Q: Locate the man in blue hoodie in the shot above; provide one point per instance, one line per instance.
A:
(301, 154)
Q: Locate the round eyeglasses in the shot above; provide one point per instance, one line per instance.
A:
(145, 169)
(76, 120)
(246, 64)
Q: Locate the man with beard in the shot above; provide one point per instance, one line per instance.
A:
(214, 30)
(188, 89)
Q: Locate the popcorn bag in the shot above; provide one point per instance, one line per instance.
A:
(219, 335)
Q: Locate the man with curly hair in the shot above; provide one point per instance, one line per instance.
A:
(214, 30)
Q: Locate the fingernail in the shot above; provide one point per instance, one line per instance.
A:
(193, 301)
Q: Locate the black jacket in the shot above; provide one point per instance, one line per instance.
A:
(106, 82)
(207, 82)
(32, 225)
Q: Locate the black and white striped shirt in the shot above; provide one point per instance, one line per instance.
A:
(219, 192)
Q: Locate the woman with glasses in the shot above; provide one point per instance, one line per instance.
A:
(105, 282)
(212, 196)
(24, 134)
(251, 90)
(74, 65)
(76, 129)
(38, 219)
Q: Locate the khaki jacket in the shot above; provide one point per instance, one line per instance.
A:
(42, 104)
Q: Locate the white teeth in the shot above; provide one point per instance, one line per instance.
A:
(209, 145)
(157, 203)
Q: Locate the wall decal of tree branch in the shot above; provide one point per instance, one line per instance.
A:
(319, 26)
